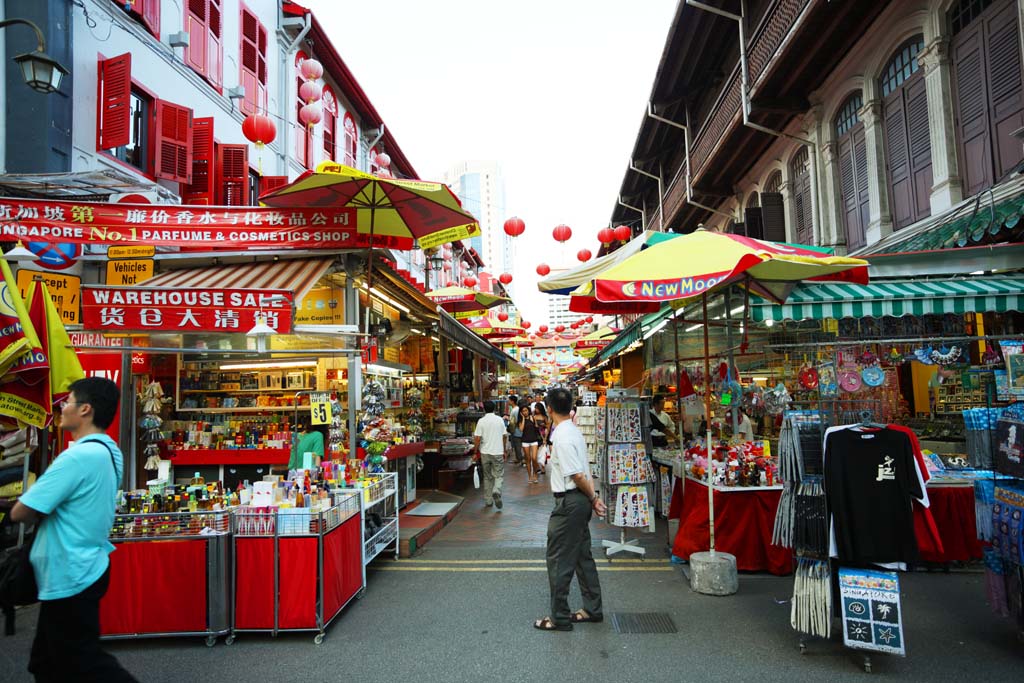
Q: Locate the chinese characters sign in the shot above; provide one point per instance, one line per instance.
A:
(176, 226)
(142, 309)
(872, 614)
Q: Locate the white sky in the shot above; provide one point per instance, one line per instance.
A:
(553, 90)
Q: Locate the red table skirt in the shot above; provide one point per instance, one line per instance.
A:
(156, 587)
(953, 510)
(743, 527)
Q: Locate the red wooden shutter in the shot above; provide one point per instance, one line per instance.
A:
(149, 10)
(215, 47)
(115, 102)
(232, 175)
(1004, 70)
(196, 25)
(860, 175)
(172, 142)
(200, 190)
(898, 161)
(919, 143)
(249, 62)
(773, 216)
(269, 183)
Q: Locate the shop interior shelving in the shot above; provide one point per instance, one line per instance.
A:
(382, 498)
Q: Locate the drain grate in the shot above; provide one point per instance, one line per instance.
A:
(643, 622)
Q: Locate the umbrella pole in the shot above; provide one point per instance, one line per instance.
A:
(369, 271)
(707, 422)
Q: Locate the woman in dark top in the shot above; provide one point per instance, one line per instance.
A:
(540, 419)
(531, 440)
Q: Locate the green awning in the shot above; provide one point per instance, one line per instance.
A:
(633, 332)
(896, 298)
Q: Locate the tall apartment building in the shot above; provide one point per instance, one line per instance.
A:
(480, 186)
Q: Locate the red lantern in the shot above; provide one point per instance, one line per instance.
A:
(469, 281)
(560, 328)
(310, 114)
(514, 227)
(525, 324)
(605, 235)
(583, 255)
(450, 283)
(505, 278)
(503, 316)
(543, 269)
(622, 233)
(561, 233)
(542, 329)
(259, 129)
(383, 160)
(311, 69)
(589, 318)
(310, 92)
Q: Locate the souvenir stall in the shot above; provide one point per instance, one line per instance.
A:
(625, 473)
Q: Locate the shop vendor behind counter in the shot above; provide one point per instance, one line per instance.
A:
(307, 439)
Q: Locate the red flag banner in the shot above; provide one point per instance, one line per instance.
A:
(184, 309)
(198, 227)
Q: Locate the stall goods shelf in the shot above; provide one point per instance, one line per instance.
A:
(230, 456)
(252, 409)
(290, 390)
(379, 542)
(405, 450)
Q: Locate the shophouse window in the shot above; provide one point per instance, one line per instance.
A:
(907, 137)
(853, 171)
(205, 51)
(330, 124)
(351, 148)
(253, 67)
(773, 211)
(146, 12)
(134, 153)
(800, 171)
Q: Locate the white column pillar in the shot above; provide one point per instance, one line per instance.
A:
(880, 216)
(947, 188)
(832, 204)
(785, 189)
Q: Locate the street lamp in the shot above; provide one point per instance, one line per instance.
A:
(42, 72)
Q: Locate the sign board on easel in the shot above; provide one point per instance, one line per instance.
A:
(871, 610)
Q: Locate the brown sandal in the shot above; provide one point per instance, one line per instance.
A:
(547, 624)
(582, 616)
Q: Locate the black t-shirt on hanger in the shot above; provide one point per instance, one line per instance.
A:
(870, 481)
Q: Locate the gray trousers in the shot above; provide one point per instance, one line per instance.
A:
(517, 449)
(492, 467)
(569, 554)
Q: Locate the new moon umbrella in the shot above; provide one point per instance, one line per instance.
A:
(462, 299)
(699, 263)
(493, 329)
(397, 211)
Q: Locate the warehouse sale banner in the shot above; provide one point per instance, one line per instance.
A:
(198, 227)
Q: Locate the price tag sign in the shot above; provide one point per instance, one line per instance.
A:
(320, 408)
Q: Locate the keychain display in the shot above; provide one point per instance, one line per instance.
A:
(373, 399)
(151, 402)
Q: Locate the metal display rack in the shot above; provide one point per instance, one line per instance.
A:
(381, 495)
(151, 546)
(609, 490)
(308, 555)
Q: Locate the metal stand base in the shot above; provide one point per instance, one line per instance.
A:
(629, 546)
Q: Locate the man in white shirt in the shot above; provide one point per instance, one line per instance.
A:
(744, 426)
(568, 551)
(489, 441)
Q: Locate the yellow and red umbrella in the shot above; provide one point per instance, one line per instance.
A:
(463, 300)
(588, 345)
(493, 329)
(518, 341)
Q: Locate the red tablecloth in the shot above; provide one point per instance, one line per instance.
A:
(953, 510)
(743, 526)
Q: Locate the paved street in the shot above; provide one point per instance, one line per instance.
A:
(461, 611)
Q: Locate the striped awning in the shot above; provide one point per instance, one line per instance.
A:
(296, 275)
(895, 298)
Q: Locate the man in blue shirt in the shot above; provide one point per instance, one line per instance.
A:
(74, 504)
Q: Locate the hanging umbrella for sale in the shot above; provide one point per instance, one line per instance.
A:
(461, 299)
(702, 262)
(394, 211)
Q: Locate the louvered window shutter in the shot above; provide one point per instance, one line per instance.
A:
(232, 175)
(200, 190)
(215, 47)
(114, 101)
(196, 25)
(150, 13)
(773, 215)
(269, 183)
(802, 203)
(250, 62)
(919, 144)
(172, 142)
(898, 161)
(860, 175)
(971, 117)
(1007, 100)
(754, 222)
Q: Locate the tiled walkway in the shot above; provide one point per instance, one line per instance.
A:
(523, 521)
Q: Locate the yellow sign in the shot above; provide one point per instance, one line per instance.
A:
(133, 251)
(65, 290)
(320, 408)
(124, 273)
(321, 306)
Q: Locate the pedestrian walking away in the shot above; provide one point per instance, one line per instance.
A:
(568, 551)
(489, 442)
(516, 431)
(75, 500)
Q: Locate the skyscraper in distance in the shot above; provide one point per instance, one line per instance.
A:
(480, 186)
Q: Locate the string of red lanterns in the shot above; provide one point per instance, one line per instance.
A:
(505, 278)
(623, 233)
(583, 255)
(543, 269)
(514, 227)
(605, 235)
(562, 233)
